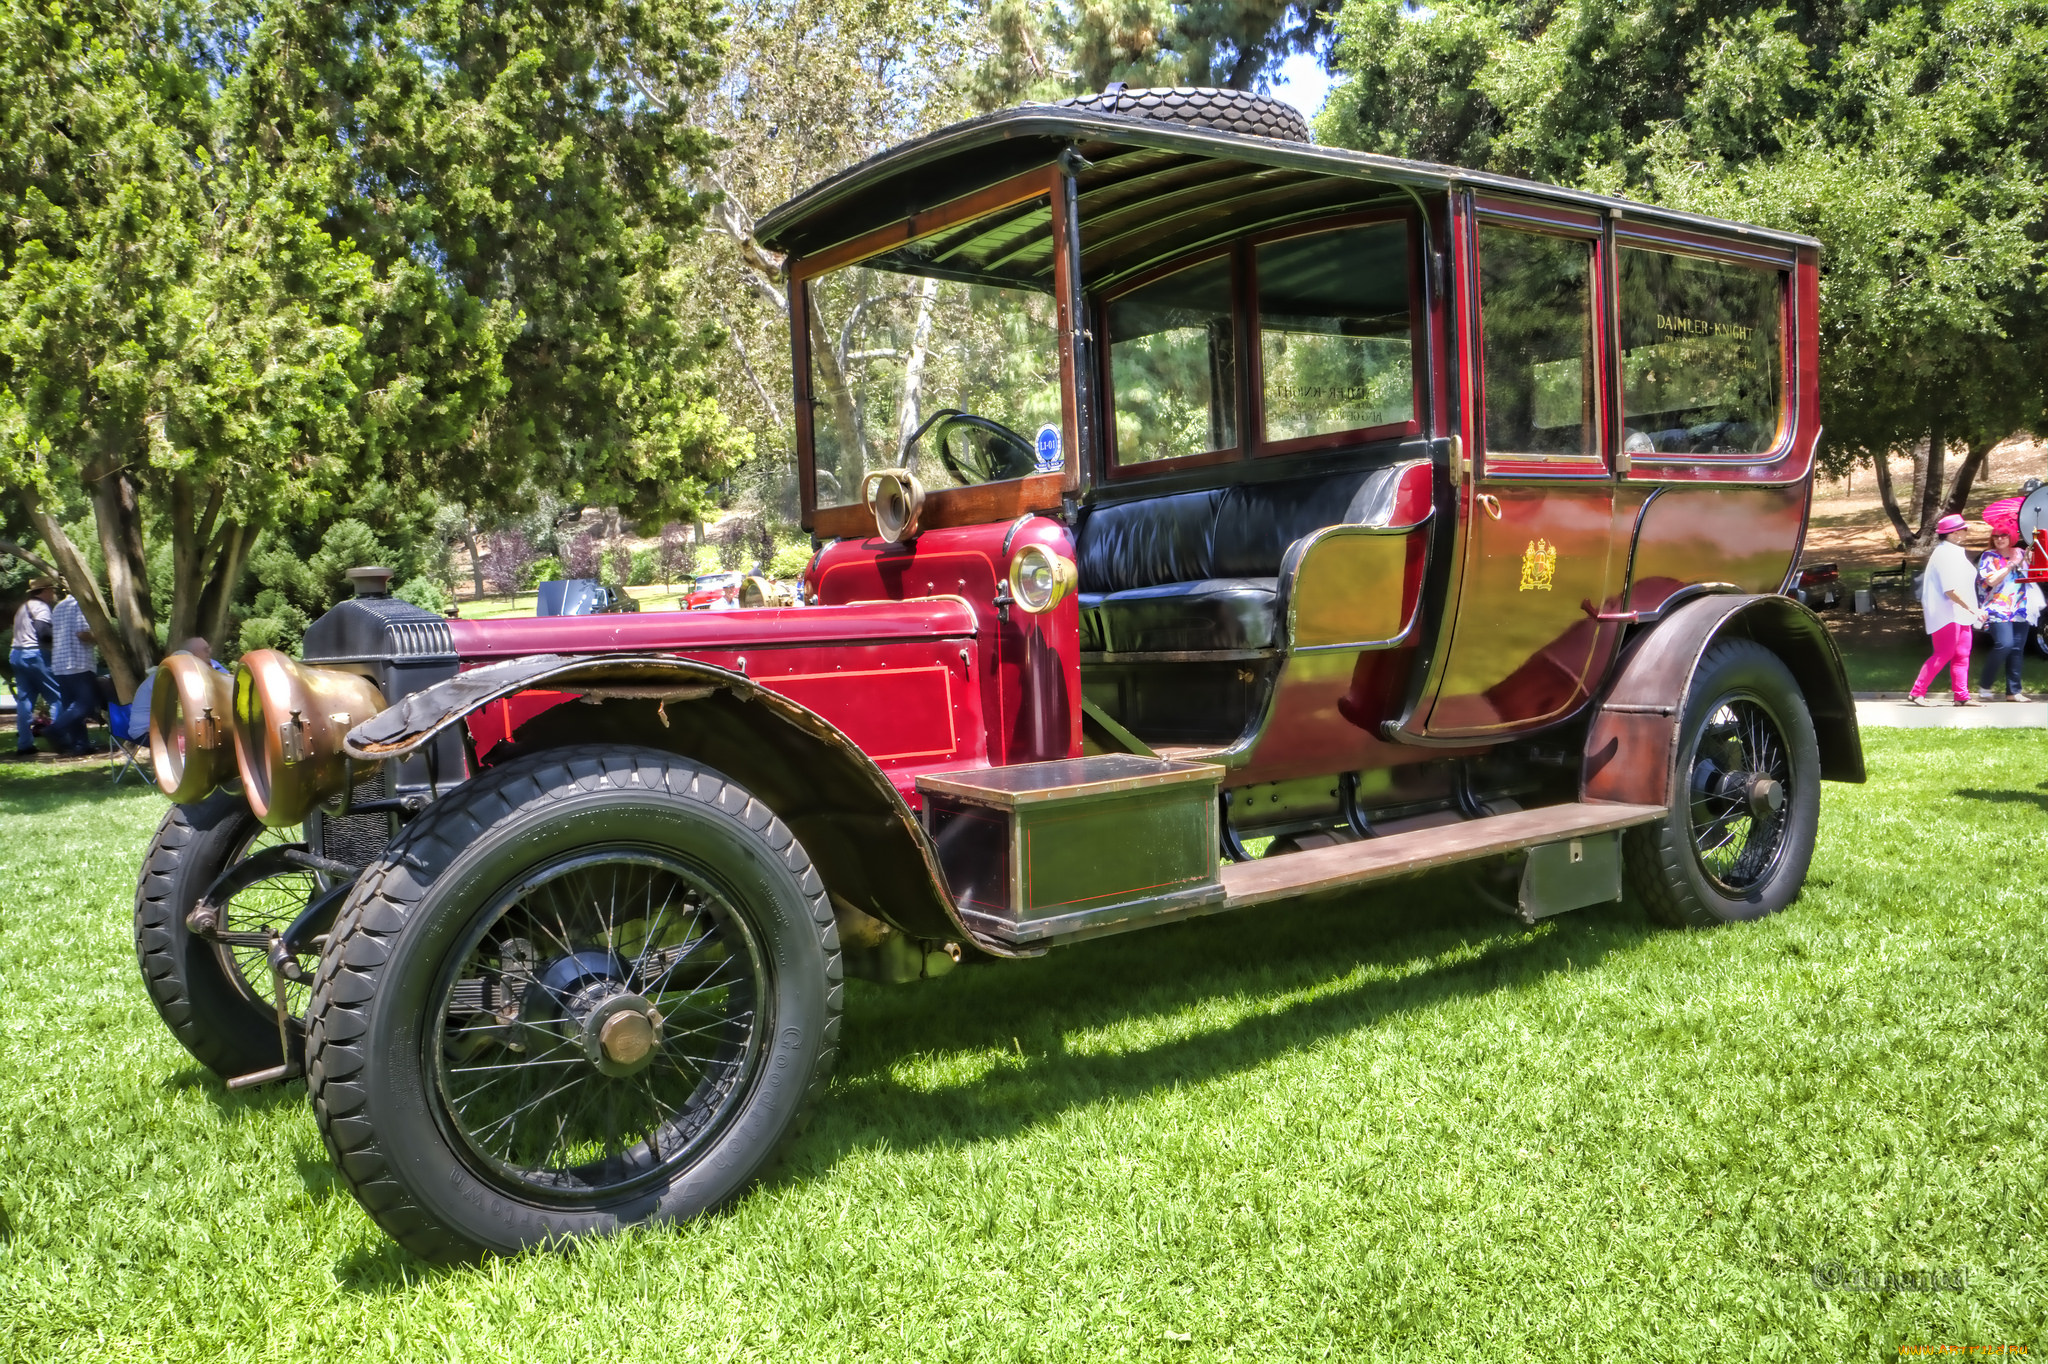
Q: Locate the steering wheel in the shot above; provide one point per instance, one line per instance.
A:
(1000, 453)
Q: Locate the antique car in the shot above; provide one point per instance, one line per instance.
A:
(707, 588)
(1205, 519)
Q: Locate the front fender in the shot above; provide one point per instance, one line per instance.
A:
(861, 835)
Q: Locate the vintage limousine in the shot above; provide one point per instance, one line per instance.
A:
(1204, 519)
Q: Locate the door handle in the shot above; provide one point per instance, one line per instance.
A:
(1491, 504)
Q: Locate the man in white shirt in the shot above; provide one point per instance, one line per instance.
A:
(1948, 600)
(32, 676)
(71, 660)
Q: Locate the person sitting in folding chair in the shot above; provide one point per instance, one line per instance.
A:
(131, 722)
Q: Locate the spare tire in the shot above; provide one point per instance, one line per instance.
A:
(1232, 111)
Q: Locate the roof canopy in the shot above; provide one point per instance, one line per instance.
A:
(1149, 191)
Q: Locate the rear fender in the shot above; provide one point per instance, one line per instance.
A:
(865, 841)
(1633, 739)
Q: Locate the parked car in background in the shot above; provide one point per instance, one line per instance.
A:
(573, 597)
(707, 588)
(1401, 515)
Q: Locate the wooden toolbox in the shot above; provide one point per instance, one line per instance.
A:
(1077, 846)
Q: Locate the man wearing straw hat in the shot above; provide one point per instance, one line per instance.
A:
(1948, 599)
(32, 677)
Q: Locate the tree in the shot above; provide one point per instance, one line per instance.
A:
(507, 555)
(1911, 139)
(1045, 51)
(675, 554)
(895, 71)
(253, 259)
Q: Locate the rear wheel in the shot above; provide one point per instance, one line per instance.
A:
(593, 988)
(1744, 796)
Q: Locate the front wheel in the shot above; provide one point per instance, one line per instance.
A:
(1744, 796)
(592, 988)
(216, 994)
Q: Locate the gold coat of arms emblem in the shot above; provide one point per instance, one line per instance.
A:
(1539, 566)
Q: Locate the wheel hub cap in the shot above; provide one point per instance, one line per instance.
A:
(1766, 797)
(622, 1034)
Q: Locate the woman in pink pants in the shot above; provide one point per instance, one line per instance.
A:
(1948, 598)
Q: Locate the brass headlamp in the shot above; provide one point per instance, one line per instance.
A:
(191, 728)
(289, 724)
(1040, 579)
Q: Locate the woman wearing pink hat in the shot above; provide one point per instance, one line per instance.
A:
(1948, 597)
(1999, 578)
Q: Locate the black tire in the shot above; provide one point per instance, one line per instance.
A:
(1231, 111)
(1744, 718)
(215, 1001)
(428, 971)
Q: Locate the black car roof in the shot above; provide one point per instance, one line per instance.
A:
(1277, 178)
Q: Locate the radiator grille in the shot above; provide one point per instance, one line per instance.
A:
(357, 839)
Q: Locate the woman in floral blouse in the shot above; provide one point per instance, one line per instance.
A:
(2004, 595)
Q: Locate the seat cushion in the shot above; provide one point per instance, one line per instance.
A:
(1193, 617)
(1145, 543)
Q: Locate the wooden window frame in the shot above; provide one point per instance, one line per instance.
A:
(1572, 225)
(1418, 344)
(980, 503)
(1784, 261)
(1252, 444)
(1113, 469)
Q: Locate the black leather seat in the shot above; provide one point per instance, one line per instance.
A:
(1200, 572)
(1203, 616)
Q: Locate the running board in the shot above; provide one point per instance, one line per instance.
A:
(1345, 865)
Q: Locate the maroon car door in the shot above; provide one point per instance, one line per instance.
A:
(1537, 558)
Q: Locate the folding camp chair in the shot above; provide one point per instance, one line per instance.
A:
(132, 753)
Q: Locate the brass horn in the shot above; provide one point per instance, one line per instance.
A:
(289, 723)
(191, 728)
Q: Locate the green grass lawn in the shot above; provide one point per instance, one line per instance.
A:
(1383, 1126)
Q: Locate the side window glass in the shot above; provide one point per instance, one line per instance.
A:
(1536, 302)
(1700, 366)
(1336, 346)
(1173, 366)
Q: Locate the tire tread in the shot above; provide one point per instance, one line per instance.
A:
(383, 901)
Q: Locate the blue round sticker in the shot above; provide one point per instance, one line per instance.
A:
(1048, 449)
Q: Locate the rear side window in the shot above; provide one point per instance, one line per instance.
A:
(1336, 343)
(1536, 301)
(1173, 366)
(1701, 372)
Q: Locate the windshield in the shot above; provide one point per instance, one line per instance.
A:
(896, 348)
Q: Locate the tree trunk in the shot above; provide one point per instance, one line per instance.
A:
(1931, 486)
(7, 546)
(117, 517)
(1976, 463)
(910, 408)
(218, 594)
(78, 577)
(851, 448)
(196, 543)
(1888, 497)
(476, 557)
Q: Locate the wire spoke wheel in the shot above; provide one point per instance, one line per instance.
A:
(599, 1024)
(246, 921)
(1743, 808)
(214, 990)
(1741, 771)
